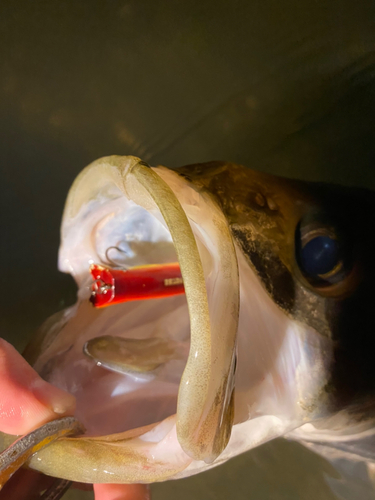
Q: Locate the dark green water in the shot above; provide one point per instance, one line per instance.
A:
(286, 87)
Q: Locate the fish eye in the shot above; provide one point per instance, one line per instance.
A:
(322, 253)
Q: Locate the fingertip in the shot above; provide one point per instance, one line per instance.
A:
(27, 401)
(58, 401)
(122, 492)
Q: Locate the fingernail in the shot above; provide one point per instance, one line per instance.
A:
(59, 401)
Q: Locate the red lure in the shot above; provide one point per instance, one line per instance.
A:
(113, 286)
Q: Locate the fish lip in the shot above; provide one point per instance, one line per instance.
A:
(204, 409)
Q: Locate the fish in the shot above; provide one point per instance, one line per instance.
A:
(273, 335)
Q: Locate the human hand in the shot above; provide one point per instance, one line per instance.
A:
(27, 402)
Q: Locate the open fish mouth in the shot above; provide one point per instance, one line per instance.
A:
(172, 386)
(122, 213)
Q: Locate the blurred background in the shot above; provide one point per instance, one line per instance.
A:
(284, 87)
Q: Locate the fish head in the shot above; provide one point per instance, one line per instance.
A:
(273, 334)
(311, 247)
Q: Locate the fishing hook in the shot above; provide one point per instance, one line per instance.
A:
(111, 261)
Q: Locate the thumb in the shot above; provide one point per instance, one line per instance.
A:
(26, 400)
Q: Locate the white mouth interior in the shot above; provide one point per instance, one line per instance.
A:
(109, 402)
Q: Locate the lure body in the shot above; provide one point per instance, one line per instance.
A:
(114, 286)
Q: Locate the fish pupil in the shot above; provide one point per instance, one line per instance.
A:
(320, 255)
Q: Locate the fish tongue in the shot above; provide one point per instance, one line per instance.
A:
(132, 355)
(206, 392)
